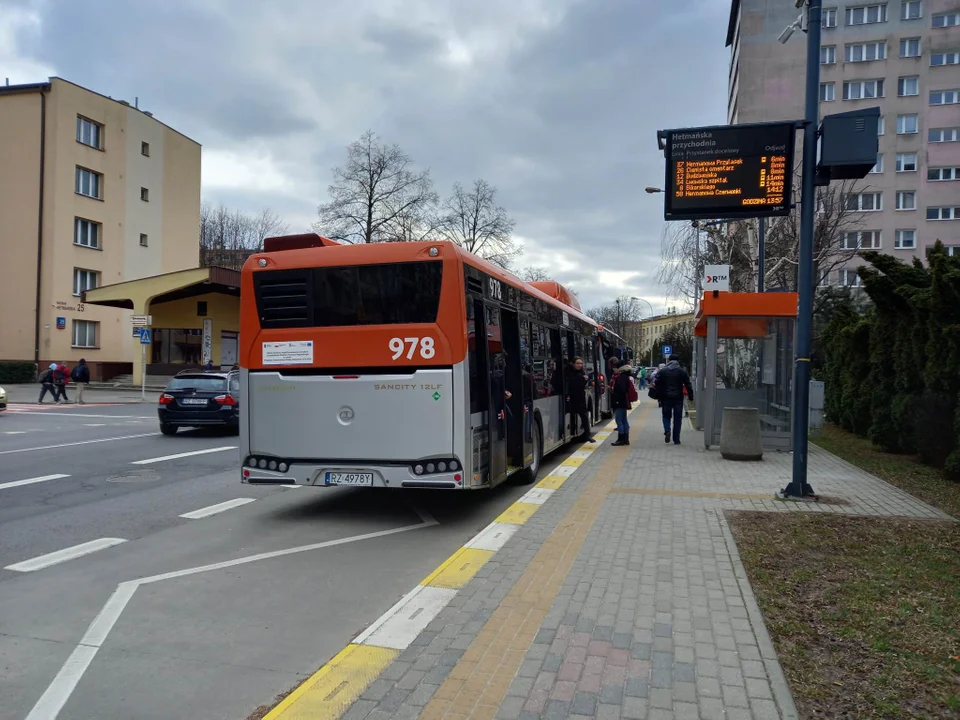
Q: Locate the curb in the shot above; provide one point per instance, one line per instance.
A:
(330, 691)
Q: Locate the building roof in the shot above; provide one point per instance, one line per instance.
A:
(46, 86)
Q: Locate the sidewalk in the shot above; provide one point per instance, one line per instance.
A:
(28, 393)
(618, 593)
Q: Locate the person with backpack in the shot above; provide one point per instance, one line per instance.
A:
(61, 376)
(620, 400)
(81, 376)
(671, 386)
(46, 384)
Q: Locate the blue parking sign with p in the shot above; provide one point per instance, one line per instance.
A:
(144, 336)
(667, 350)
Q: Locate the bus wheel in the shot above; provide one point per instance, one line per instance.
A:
(529, 475)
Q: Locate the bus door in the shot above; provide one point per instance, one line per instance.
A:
(516, 409)
(496, 387)
(558, 379)
(570, 354)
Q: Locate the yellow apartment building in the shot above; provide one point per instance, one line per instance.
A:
(641, 335)
(93, 192)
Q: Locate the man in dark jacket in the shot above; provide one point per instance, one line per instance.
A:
(577, 399)
(81, 376)
(670, 383)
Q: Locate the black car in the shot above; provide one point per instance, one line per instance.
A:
(199, 399)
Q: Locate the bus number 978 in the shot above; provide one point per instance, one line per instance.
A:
(410, 345)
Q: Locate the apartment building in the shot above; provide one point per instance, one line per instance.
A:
(94, 191)
(641, 334)
(901, 55)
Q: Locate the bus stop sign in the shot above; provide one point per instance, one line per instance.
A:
(667, 350)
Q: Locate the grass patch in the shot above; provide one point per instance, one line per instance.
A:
(921, 481)
(864, 612)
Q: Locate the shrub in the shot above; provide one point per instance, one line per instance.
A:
(17, 372)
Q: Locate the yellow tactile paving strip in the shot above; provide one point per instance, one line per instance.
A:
(478, 683)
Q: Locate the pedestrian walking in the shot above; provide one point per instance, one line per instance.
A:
(577, 399)
(643, 378)
(620, 400)
(46, 384)
(81, 376)
(671, 385)
(61, 376)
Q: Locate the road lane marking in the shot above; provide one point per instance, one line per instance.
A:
(55, 558)
(401, 624)
(94, 424)
(80, 442)
(218, 508)
(58, 692)
(84, 415)
(31, 481)
(150, 461)
(15, 432)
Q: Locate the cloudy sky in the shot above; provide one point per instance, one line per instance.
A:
(556, 102)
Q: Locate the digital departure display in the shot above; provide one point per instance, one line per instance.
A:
(729, 171)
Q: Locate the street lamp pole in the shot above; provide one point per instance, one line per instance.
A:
(799, 487)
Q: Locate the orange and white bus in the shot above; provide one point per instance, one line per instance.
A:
(402, 365)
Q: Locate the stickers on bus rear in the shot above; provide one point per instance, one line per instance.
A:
(297, 352)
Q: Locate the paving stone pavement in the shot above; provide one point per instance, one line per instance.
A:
(623, 596)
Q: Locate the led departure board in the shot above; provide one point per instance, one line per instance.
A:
(729, 171)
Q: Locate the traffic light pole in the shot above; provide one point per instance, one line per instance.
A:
(799, 487)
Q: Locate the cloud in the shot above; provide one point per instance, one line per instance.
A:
(556, 102)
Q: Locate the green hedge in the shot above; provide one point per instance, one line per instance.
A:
(893, 373)
(17, 372)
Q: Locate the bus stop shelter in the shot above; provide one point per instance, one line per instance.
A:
(744, 353)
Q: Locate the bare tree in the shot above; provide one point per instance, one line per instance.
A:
(473, 220)
(534, 274)
(376, 196)
(228, 237)
(687, 248)
(617, 315)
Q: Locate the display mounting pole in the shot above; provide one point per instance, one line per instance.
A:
(143, 371)
(761, 251)
(799, 487)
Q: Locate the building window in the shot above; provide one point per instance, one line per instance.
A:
(953, 250)
(86, 233)
(829, 17)
(143, 240)
(864, 240)
(828, 55)
(910, 47)
(906, 124)
(906, 200)
(828, 92)
(944, 97)
(84, 280)
(911, 10)
(862, 89)
(866, 52)
(145, 149)
(950, 19)
(905, 240)
(881, 125)
(936, 135)
(943, 213)
(89, 183)
(866, 14)
(89, 133)
(865, 202)
(943, 174)
(85, 333)
(944, 58)
(201, 308)
(906, 162)
(908, 86)
(145, 194)
(849, 278)
(878, 165)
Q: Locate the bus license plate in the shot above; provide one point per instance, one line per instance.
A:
(341, 478)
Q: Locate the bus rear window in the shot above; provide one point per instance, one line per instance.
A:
(388, 294)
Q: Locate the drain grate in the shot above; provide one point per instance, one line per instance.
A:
(134, 476)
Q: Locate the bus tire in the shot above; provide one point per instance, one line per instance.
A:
(529, 475)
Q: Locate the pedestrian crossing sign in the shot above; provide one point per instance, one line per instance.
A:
(144, 336)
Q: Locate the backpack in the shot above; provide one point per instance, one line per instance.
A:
(632, 395)
(45, 376)
(75, 374)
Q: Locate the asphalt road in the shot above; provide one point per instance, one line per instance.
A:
(230, 608)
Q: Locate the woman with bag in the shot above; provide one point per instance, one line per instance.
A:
(622, 391)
